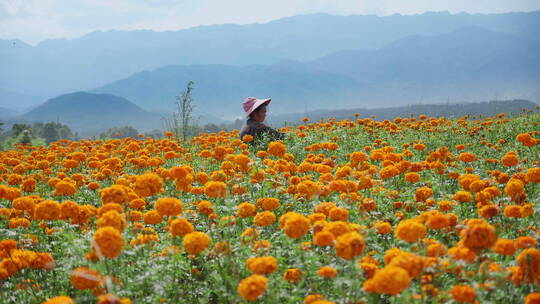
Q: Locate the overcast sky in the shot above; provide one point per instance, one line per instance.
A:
(36, 20)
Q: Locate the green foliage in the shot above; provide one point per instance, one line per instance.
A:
(183, 125)
(119, 132)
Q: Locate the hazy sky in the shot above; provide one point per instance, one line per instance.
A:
(36, 20)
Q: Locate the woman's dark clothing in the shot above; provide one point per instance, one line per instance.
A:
(259, 131)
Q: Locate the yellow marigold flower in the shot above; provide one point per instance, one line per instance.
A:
(47, 210)
(463, 294)
(349, 245)
(389, 280)
(168, 206)
(108, 241)
(265, 218)
(196, 242)
(252, 287)
(112, 219)
(293, 275)
(84, 278)
(262, 265)
(327, 272)
(479, 236)
(410, 231)
(215, 189)
(296, 225)
(246, 210)
(148, 184)
(181, 227)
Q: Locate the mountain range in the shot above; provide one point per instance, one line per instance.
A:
(469, 64)
(303, 63)
(59, 66)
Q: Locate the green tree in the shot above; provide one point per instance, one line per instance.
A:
(183, 123)
(50, 132)
(18, 128)
(125, 131)
(26, 138)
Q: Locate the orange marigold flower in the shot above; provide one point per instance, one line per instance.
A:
(276, 148)
(423, 193)
(148, 184)
(463, 294)
(85, 278)
(323, 238)
(262, 265)
(168, 206)
(389, 280)
(327, 272)
(505, 247)
(181, 227)
(112, 219)
(383, 227)
(529, 263)
(47, 210)
(215, 189)
(410, 231)
(265, 218)
(152, 217)
(349, 245)
(114, 194)
(412, 177)
(479, 235)
(252, 287)
(466, 157)
(296, 225)
(438, 221)
(246, 210)
(533, 175)
(533, 298)
(108, 241)
(196, 242)
(513, 211)
(514, 187)
(268, 203)
(510, 159)
(59, 300)
(293, 275)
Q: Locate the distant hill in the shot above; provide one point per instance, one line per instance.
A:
(451, 110)
(17, 101)
(58, 66)
(467, 65)
(7, 113)
(89, 113)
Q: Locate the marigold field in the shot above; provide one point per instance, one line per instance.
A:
(413, 210)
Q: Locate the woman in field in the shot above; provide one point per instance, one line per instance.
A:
(256, 113)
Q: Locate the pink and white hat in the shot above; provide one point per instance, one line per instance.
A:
(250, 104)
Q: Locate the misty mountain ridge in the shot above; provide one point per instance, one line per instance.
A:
(91, 57)
(469, 64)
